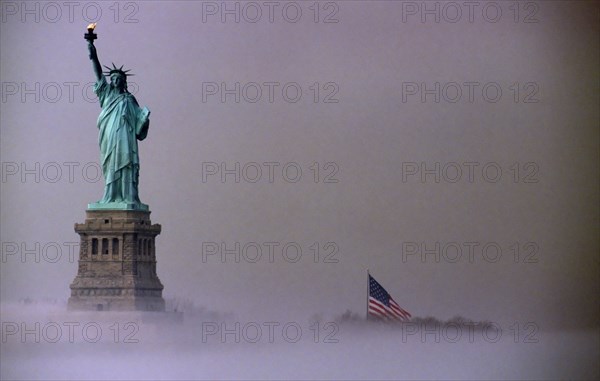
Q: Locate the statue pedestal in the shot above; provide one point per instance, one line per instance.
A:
(117, 263)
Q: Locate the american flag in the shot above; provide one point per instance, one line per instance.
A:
(381, 304)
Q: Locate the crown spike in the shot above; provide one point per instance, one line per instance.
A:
(116, 70)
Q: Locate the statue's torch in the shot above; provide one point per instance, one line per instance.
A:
(90, 35)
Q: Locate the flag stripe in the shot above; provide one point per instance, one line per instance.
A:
(382, 309)
(399, 309)
(394, 304)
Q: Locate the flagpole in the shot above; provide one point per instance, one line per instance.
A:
(368, 285)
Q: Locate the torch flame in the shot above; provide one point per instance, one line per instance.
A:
(92, 26)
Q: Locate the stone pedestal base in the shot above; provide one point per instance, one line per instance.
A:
(115, 303)
(117, 263)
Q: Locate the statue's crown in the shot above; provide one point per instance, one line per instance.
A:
(115, 70)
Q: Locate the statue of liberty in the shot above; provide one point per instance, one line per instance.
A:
(121, 123)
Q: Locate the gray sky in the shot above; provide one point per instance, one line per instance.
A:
(376, 62)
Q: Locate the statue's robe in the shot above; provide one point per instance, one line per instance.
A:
(121, 123)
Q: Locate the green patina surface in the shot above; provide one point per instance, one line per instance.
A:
(121, 123)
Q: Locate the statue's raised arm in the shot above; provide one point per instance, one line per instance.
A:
(90, 37)
(95, 62)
